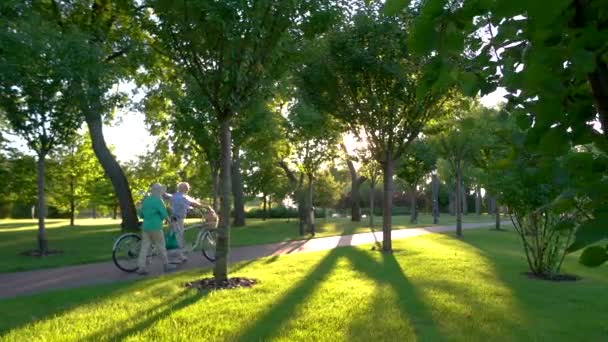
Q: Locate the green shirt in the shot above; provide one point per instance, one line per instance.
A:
(153, 212)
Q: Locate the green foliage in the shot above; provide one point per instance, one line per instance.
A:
(35, 88)
(368, 79)
(550, 59)
(73, 170)
(314, 137)
(594, 256)
(418, 162)
(327, 191)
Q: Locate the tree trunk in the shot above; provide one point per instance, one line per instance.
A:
(478, 200)
(43, 242)
(215, 173)
(265, 209)
(452, 205)
(387, 212)
(72, 201)
(355, 202)
(355, 210)
(372, 196)
(302, 212)
(94, 211)
(220, 272)
(599, 88)
(113, 172)
(497, 213)
(114, 212)
(464, 203)
(490, 200)
(435, 194)
(311, 208)
(413, 213)
(237, 189)
(458, 204)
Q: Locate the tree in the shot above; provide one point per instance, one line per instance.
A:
(74, 169)
(540, 207)
(314, 137)
(265, 148)
(229, 49)
(552, 63)
(35, 93)
(372, 170)
(356, 182)
(96, 35)
(412, 167)
(370, 81)
(327, 190)
(456, 142)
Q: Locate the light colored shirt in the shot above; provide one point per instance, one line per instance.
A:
(180, 204)
(153, 212)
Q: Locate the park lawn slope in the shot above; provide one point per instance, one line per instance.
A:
(432, 288)
(91, 240)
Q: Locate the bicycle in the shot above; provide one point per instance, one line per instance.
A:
(125, 251)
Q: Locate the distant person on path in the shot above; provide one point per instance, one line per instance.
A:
(153, 212)
(180, 202)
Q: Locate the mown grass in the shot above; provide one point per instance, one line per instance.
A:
(432, 288)
(91, 240)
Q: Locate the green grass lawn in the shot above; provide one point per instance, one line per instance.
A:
(432, 288)
(91, 240)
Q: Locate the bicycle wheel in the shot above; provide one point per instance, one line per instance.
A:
(209, 241)
(126, 251)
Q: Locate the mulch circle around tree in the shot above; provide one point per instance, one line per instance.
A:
(555, 277)
(211, 284)
(39, 253)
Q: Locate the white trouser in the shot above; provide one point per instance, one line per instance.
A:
(178, 228)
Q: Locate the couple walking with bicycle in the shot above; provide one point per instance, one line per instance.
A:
(153, 212)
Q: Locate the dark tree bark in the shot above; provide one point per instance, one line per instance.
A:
(265, 209)
(435, 194)
(599, 88)
(113, 172)
(237, 189)
(387, 212)
(478, 200)
(310, 206)
(220, 272)
(413, 212)
(458, 203)
(452, 205)
(489, 200)
(72, 201)
(464, 202)
(497, 213)
(43, 242)
(215, 173)
(115, 212)
(356, 181)
(298, 194)
(372, 197)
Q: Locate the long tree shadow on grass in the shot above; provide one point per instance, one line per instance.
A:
(385, 271)
(146, 319)
(62, 302)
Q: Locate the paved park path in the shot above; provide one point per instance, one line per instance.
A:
(30, 282)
